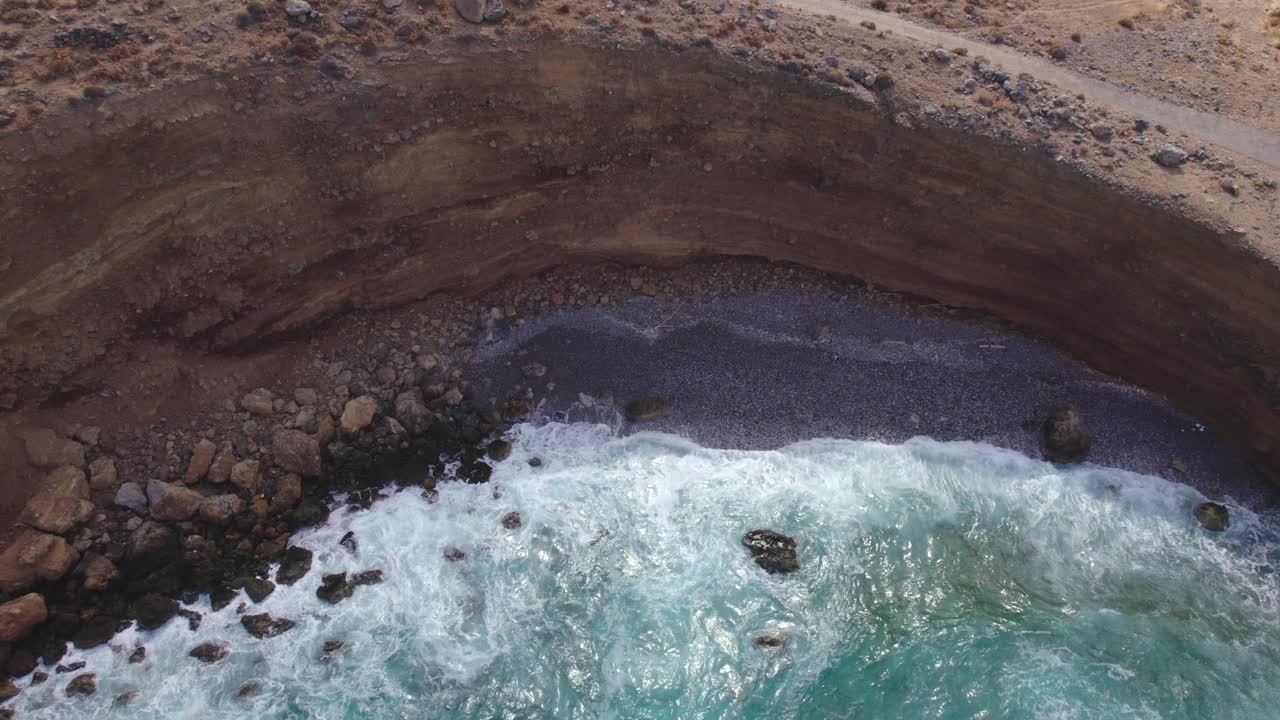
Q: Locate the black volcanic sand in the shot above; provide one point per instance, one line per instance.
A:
(749, 372)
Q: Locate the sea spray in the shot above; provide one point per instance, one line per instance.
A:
(936, 580)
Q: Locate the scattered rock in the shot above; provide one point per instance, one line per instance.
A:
(201, 458)
(332, 646)
(261, 401)
(296, 452)
(769, 640)
(45, 449)
(86, 684)
(153, 610)
(17, 617)
(1212, 516)
(264, 626)
(220, 509)
(358, 413)
(99, 572)
(412, 412)
(773, 551)
(223, 464)
(131, 496)
(102, 474)
(258, 589)
(35, 556)
(1064, 437)
(172, 502)
(125, 698)
(511, 521)
(245, 474)
(209, 652)
(499, 450)
(647, 408)
(295, 565)
(335, 588)
(1171, 156)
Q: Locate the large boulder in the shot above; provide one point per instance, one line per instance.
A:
(154, 610)
(295, 565)
(103, 475)
(86, 684)
(1064, 437)
(172, 502)
(201, 459)
(61, 503)
(1212, 516)
(296, 452)
(46, 449)
(153, 545)
(412, 412)
(246, 474)
(220, 509)
(35, 556)
(265, 626)
(17, 617)
(287, 494)
(209, 652)
(132, 496)
(358, 413)
(98, 571)
(773, 551)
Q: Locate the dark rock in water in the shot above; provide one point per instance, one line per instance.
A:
(454, 554)
(247, 689)
(138, 655)
(511, 521)
(86, 684)
(193, 619)
(258, 589)
(769, 640)
(8, 691)
(1065, 438)
(153, 610)
(296, 564)
(209, 652)
(1212, 516)
(499, 450)
(332, 646)
(70, 667)
(773, 551)
(125, 698)
(647, 408)
(335, 588)
(475, 473)
(21, 661)
(96, 632)
(535, 462)
(348, 541)
(221, 597)
(309, 512)
(263, 625)
(367, 577)
(38, 677)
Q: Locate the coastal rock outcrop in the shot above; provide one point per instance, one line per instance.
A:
(772, 550)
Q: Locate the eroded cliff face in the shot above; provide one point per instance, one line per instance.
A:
(220, 214)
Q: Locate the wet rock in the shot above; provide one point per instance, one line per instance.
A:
(61, 503)
(263, 625)
(248, 689)
(348, 541)
(246, 475)
(1171, 156)
(454, 554)
(131, 496)
(8, 691)
(647, 408)
(86, 684)
(258, 589)
(1212, 516)
(201, 458)
(209, 652)
(772, 640)
(172, 502)
(335, 588)
(295, 565)
(367, 577)
(220, 509)
(151, 546)
(19, 616)
(69, 667)
(511, 521)
(358, 413)
(46, 449)
(138, 655)
(35, 556)
(221, 597)
(99, 572)
(296, 452)
(1064, 437)
(103, 475)
(192, 617)
(38, 677)
(153, 610)
(97, 631)
(223, 464)
(412, 412)
(125, 698)
(260, 401)
(332, 646)
(535, 462)
(773, 551)
(499, 450)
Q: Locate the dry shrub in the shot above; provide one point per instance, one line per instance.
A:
(57, 63)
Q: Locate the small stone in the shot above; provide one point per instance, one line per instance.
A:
(131, 496)
(1212, 516)
(1102, 131)
(138, 655)
(769, 640)
(1064, 437)
(261, 401)
(1230, 187)
(201, 458)
(772, 550)
(454, 554)
(535, 462)
(305, 397)
(499, 450)
(534, 370)
(1171, 156)
(647, 408)
(247, 689)
(942, 56)
(125, 698)
(288, 493)
(263, 625)
(511, 521)
(70, 667)
(297, 8)
(332, 646)
(86, 684)
(209, 652)
(358, 413)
